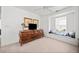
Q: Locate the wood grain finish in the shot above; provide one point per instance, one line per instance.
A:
(30, 35)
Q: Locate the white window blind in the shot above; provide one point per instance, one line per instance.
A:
(61, 23)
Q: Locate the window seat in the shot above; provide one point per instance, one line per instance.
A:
(66, 39)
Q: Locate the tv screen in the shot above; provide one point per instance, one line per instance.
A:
(32, 26)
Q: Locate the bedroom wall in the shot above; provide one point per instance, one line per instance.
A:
(0, 12)
(12, 17)
(77, 21)
(44, 24)
(70, 22)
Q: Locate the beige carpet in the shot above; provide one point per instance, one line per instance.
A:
(41, 45)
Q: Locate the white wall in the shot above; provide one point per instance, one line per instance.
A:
(44, 24)
(0, 12)
(12, 17)
(52, 23)
(70, 22)
(77, 21)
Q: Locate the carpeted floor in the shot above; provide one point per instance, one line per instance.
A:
(40, 45)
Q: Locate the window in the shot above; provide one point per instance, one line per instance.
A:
(60, 23)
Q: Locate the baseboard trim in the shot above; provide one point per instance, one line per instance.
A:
(9, 44)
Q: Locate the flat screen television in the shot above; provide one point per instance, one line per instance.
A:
(32, 26)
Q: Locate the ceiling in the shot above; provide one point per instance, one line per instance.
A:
(42, 10)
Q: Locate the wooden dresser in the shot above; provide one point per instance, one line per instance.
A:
(29, 35)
